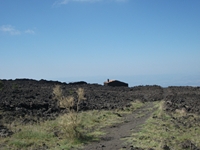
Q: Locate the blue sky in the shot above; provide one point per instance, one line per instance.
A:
(137, 41)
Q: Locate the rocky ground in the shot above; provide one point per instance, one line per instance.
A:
(31, 100)
(24, 97)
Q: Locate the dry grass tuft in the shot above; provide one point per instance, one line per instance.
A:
(64, 102)
(181, 112)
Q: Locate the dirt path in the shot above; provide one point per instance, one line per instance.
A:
(113, 139)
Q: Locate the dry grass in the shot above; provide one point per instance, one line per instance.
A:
(75, 128)
(170, 129)
(71, 128)
(64, 102)
(60, 134)
(134, 106)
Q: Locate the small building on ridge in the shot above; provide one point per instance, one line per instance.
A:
(115, 83)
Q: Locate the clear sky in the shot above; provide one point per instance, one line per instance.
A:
(137, 41)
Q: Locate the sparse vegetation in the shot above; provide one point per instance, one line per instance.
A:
(60, 134)
(73, 128)
(134, 106)
(160, 130)
(69, 130)
(167, 129)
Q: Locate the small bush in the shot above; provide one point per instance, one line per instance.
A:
(67, 102)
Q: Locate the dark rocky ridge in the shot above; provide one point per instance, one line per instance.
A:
(33, 100)
(185, 98)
